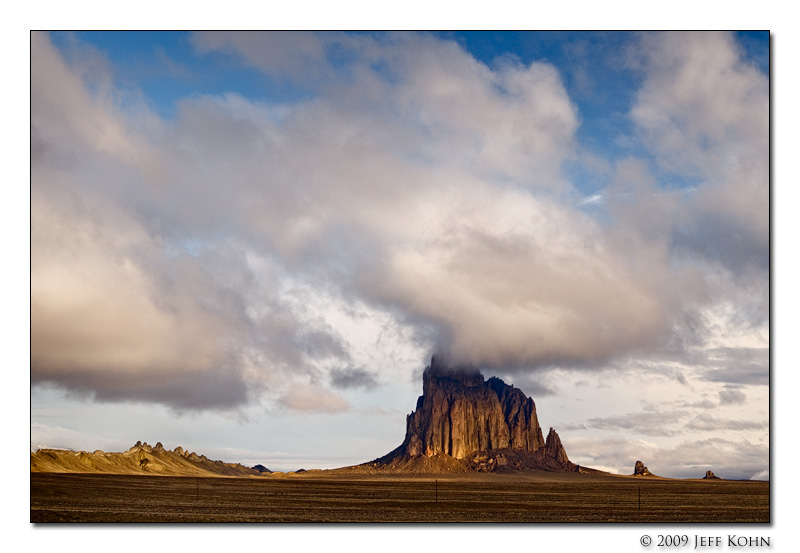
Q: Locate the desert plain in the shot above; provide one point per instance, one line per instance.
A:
(338, 497)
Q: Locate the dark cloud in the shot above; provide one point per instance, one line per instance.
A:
(706, 422)
(738, 366)
(217, 388)
(732, 397)
(726, 239)
(733, 366)
(703, 404)
(353, 377)
(534, 385)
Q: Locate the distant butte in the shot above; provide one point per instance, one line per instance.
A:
(463, 423)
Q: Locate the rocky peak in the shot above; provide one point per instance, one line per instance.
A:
(640, 470)
(519, 412)
(459, 413)
(141, 446)
(554, 449)
(455, 415)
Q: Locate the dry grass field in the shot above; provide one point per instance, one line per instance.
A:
(320, 498)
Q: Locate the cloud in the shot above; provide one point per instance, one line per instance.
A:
(313, 399)
(57, 437)
(648, 423)
(732, 397)
(534, 386)
(738, 366)
(194, 262)
(593, 199)
(734, 459)
(128, 301)
(707, 422)
(702, 404)
(300, 56)
(115, 315)
(704, 112)
(353, 377)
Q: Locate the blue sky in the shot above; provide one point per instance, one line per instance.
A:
(249, 245)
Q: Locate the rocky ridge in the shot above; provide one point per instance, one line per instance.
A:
(142, 458)
(465, 423)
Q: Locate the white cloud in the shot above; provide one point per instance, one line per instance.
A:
(704, 113)
(593, 199)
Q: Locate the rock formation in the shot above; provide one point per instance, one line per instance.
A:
(486, 425)
(553, 448)
(142, 458)
(640, 470)
(711, 476)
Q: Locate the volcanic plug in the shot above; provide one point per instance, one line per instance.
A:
(465, 421)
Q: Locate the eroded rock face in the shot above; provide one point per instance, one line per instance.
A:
(459, 414)
(711, 476)
(456, 414)
(640, 470)
(554, 449)
(519, 413)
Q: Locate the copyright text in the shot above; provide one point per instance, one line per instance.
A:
(703, 542)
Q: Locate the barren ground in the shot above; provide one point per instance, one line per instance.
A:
(324, 497)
